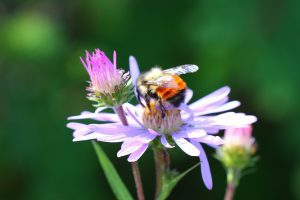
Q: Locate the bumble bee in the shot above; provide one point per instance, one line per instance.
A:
(163, 85)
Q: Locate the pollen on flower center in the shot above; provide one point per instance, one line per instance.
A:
(166, 123)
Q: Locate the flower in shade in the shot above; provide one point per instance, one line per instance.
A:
(109, 86)
(177, 128)
(238, 149)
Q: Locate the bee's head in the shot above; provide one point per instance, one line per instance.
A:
(153, 74)
(143, 81)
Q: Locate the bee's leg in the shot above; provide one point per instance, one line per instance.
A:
(147, 99)
(139, 98)
(162, 108)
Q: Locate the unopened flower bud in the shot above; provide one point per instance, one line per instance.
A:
(109, 86)
(238, 148)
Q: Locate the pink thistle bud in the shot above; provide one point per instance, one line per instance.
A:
(109, 86)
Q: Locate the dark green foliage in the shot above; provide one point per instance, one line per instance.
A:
(252, 46)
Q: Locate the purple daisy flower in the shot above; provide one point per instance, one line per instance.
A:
(176, 128)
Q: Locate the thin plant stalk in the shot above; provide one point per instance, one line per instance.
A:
(233, 176)
(135, 167)
(229, 192)
(162, 164)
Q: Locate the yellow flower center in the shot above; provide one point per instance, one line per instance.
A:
(164, 122)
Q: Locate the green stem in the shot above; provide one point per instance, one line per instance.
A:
(135, 167)
(162, 165)
(233, 176)
(229, 192)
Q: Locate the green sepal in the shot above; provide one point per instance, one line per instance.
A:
(122, 94)
(238, 157)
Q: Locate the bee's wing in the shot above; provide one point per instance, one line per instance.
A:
(164, 81)
(182, 69)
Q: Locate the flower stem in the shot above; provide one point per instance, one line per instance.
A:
(233, 176)
(162, 164)
(137, 180)
(120, 112)
(229, 192)
(135, 167)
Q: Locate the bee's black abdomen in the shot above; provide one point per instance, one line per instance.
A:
(177, 99)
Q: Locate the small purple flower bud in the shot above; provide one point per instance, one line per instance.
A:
(109, 86)
(239, 138)
(238, 149)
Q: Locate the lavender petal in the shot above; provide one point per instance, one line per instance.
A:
(164, 142)
(138, 153)
(134, 117)
(223, 121)
(188, 95)
(117, 128)
(186, 146)
(211, 140)
(102, 137)
(75, 125)
(214, 97)
(190, 132)
(134, 69)
(234, 119)
(129, 149)
(110, 117)
(219, 108)
(79, 129)
(205, 169)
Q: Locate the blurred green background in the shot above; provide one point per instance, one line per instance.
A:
(252, 46)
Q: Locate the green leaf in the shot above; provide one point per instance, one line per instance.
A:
(112, 176)
(171, 182)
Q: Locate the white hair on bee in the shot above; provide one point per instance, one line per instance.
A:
(142, 88)
(153, 74)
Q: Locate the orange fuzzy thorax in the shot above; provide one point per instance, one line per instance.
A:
(167, 93)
